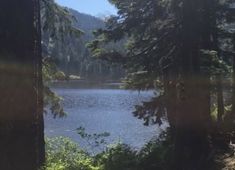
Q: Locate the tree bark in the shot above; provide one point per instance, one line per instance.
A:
(233, 89)
(193, 115)
(220, 99)
(21, 116)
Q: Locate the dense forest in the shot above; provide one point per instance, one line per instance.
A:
(182, 49)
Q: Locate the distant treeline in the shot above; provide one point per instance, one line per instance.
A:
(71, 54)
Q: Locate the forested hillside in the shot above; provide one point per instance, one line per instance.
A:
(71, 54)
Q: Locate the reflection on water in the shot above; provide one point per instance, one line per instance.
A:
(101, 109)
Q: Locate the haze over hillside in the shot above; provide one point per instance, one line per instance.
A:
(73, 57)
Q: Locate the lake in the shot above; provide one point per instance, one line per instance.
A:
(103, 108)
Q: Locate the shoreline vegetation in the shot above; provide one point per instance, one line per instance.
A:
(64, 154)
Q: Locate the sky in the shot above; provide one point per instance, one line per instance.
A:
(92, 7)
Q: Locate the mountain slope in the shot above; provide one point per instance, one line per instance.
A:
(73, 57)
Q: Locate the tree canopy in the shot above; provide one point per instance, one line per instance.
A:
(177, 47)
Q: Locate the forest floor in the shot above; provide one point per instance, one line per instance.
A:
(225, 161)
(229, 163)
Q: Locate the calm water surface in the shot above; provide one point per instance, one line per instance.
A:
(102, 109)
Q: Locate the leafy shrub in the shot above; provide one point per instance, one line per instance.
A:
(59, 75)
(118, 157)
(63, 154)
(155, 155)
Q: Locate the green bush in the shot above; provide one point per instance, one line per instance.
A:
(118, 157)
(63, 154)
(59, 75)
(155, 156)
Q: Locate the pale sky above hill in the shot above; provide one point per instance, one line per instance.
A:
(92, 7)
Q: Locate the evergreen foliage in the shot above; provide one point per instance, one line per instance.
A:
(175, 46)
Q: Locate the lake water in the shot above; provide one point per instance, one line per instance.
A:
(101, 109)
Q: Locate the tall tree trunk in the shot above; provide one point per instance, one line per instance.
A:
(170, 80)
(40, 145)
(233, 88)
(215, 46)
(193, 115)
(220, 99)
(21, 116)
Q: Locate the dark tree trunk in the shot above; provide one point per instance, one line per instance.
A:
(21, 116)
(233, 89)
(193, 115)
(170, 81)
(215, 46)
(220, 99)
